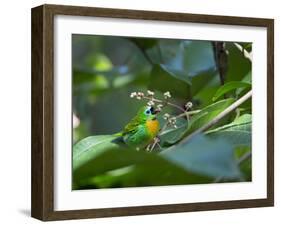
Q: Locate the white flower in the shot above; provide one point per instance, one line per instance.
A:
(133, 94)
(150, 93)
(159, 107)
(150, 103)
(140, 94)
(166, 116)
(173, 120)
(188, 105)
(167, 95)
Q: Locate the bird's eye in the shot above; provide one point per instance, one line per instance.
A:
(147, 111)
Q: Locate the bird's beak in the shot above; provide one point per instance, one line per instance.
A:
(156, 112)
(153, 111)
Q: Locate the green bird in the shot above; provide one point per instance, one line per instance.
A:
(142, 129)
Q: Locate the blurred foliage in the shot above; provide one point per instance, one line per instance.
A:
(107, 69)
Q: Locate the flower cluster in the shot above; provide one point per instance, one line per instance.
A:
(167, 95)
(150, 103)
(171, 120)
(166, 116)
(138, 95)
(150, 93)
(188, 105)
(159, 104)
(159, 107)
(150, 96)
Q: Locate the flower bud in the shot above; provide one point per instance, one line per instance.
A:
(167, 95)
(188, 105)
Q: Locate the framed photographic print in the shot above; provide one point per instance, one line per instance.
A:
(141, 112)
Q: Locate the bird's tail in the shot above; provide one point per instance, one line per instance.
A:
(119, 134)
(118, 138)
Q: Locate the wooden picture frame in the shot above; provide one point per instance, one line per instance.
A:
(43, 111)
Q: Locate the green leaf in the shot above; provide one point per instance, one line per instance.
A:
(229, 87)
(105, 163)
(238, 65)
(99, 62)
(248, 79)
(246, 165)
(243, 122)
(202, 155)
(239, 132)
(88, 149)
(153, 171)
(203, 80)
(144, 43)
(207, 114)
(173, 135)
(168, 52)
(198, 57)
(177, 73)
(161, 80)
(103, 166)
(183, 59)
(204, 86)
(235, 136)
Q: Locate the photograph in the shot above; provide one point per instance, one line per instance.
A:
(159, 112)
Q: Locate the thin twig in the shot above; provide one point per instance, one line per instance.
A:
(244, 157)
(220, 116)
(187, 113)
(151, 146)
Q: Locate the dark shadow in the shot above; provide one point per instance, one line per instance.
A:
(25, 212)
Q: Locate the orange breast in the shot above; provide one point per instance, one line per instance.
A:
(153, 127)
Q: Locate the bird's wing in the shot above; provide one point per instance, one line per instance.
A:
(132, 126)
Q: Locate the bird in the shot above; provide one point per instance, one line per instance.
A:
(142, 129)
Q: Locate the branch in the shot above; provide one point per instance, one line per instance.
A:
(220, 116)
(221, 59)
